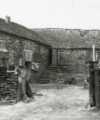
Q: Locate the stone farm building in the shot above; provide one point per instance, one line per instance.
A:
(62, 54)
(71, 51)
(15, 42)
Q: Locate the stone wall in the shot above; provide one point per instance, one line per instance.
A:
(72, 63)
(8, 88)
(16, 46)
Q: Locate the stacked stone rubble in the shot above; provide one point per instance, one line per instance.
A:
(8, 87)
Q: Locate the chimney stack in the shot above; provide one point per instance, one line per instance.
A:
(7, 19)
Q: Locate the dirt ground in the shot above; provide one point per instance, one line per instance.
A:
(67, 103)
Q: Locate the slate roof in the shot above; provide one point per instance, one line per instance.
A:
(21, 31)
(70, 38)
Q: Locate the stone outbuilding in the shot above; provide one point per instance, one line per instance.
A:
(71, 49)
(17, 45)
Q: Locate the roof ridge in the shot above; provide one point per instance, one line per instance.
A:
(20, 31)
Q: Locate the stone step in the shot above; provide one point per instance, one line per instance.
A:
(52, 71)
(61, 69)
(44, 80)
(98, 52)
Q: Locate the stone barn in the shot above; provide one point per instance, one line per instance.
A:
(17, 44)
(71, 50)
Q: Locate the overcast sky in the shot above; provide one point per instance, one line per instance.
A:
(53, 13)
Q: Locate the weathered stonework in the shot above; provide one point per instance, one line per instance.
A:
(16, 46)
(78, 50)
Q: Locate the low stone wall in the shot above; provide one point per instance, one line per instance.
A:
(8, 88)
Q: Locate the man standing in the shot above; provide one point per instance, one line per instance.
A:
(28, 78)
(24, 89)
